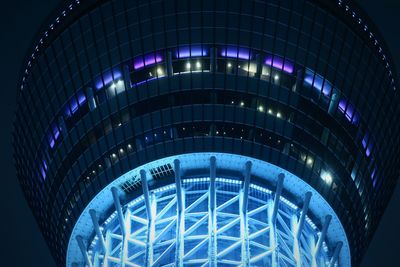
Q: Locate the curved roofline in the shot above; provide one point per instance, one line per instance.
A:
(68, 11)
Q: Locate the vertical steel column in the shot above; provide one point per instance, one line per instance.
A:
(90, 98)
(299, 80)
(273, 216)
(259, 66)
(151, 225)
(335, 255)
(278, 193)
(96, 226)
(180, 223)
(213, 59)
(125, 238)
(117, 205)
(82, 247)
(212, 221)
(168, 63)
(146, 193)
(244, 227)
(127, 77)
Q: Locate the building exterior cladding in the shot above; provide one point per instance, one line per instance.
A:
(112, 85)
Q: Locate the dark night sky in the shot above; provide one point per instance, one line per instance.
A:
(22, 243)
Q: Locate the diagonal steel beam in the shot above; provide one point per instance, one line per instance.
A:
(335, 255)
(304, 211)
(324, 230)
(96, 226)
(146, 193)
(212, 221)
(180, 223)
(82, 247)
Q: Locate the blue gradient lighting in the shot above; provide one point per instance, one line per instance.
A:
(367, 145)
(236, 52)
(280, 63)
(147, 60)
(43, 169)
(318, 82)
(107, 78)
(373, 178)
(73, 105)
(53, 136)
(349, 111)
(191, 51)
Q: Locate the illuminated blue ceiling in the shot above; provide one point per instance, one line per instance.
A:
(209, 219)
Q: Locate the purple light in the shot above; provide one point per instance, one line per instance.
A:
(107, 78)
(280, 63)
(54, 135)
(348, 109)
(373, 173)
(318, 83)
(367, 145)
(43, 169)
(72, 106)
(147, 60)
(191, 51)
(236, 52)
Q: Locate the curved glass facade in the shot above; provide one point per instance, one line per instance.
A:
(303, 85)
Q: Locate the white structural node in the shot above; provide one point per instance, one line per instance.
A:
(209, 221)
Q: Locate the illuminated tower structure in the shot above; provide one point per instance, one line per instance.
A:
(204, 133)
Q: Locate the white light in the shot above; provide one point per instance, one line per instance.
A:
(278, 115)
(160, 71)
(310, 161)
(276, 77)
(326, 177)
(269, 111)
(129, 146)
(188, 65)
(114, 155)
(121, 150)
(120, 83)
(229, 65)
(261, 108)
(198, 64)
(242, 104)
(113, 86)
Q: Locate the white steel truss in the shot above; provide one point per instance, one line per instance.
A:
(207, 222)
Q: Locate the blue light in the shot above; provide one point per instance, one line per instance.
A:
(349, 111)
(191, 51)
(236, 52)
(279, 63)
(147, 60)
(53, 135)
(107, 78)
(196, 209)
(74, 103)
(367, 144)
(373, 178)
(43, 169)
(318, 82)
